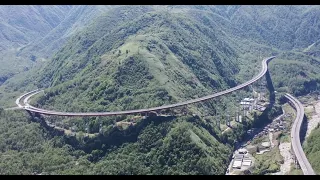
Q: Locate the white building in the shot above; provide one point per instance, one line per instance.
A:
(246, 162)
(237, 164)
(242, 151)
(248, 99)
(244, 103)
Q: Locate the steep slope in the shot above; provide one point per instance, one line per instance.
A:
(151, 55)
(282, 27)
(21, 25)
(31, 34)
(296, 72)
(76, 18)
(146, 56)
(284, 31)
(164, 147)
(312, 149)
(28, 148)
(313, 49)
(146, 61)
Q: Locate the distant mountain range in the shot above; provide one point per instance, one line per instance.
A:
(112, 58)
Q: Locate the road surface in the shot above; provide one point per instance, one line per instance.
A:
(295, 137)
(127, 112)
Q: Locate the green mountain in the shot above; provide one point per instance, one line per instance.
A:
(121, 67)
(151, 56)
(76, 18)
(129, 57)
(31, 34)
(312, 149)
(21, 25)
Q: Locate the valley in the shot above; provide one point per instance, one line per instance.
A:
(133, 90)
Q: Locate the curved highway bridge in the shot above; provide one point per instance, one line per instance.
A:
(295, 137)
(295, 132)
(127, 112)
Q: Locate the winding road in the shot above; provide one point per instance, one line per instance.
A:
(295, 137)
(127, 112)
(295, 132)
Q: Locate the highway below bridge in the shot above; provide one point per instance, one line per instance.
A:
(295, 136)
(295, 132)
(28, 95)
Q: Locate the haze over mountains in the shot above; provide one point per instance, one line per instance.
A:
(34, 33)
(112, 58)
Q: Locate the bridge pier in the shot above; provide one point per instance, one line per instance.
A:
(295, 162)
(218, 121)
(34, 114)
(31, 114)
(36, 117)
(237, 115)
(146, 115)
(228, 120)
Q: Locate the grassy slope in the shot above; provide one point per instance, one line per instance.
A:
(21, 25)
(312, 149)
(168, 148)
(27, 148)
(181, 69)
(25, 43)
(114, 82)
(161, 51)
(295, 73)
(76, 18)
(24, 24)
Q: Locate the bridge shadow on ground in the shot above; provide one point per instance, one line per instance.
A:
(303, 129)
(36, 117)
(271, 110)
(113, 137)
(270, 87)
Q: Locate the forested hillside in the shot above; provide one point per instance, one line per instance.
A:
(21, 25)
(312, 149)
(76, 18)
(31, 34)
(151, 56)
(113, 58)
(27, 148)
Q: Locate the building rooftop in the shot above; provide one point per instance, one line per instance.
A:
(238, 156)
(244, 103)
(242, 150)
(248, 99)
(247, 163)
(237, 164)
(265, 144)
